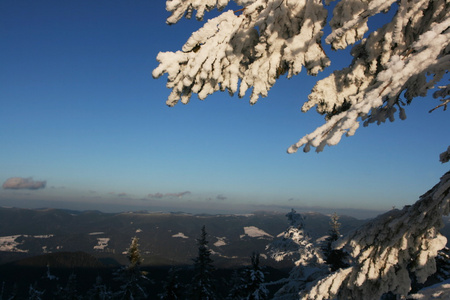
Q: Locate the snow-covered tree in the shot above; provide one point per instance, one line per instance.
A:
(255, 282)
(253, 46)
(408, 56)
(34, 293)
(249, 283)
(443, 264)
(172, 287)
(70, 292)
(131, 277)
(390, 251)
(296, 245)
(202, 284)
(99, 290)
(335, 258)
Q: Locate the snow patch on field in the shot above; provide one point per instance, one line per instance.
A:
(255, 232)
(9, 244)
(102, 243)
(220, 241)
(96, 233)
(180, 235)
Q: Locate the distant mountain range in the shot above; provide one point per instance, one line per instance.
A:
(165, 238)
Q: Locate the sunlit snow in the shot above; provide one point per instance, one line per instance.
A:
(9, 244)
(220, 242)
(438, 291)
(102, 243)
(255, 232)
(180, 235)
(96, 233)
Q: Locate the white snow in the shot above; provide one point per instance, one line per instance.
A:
(180, 235)
(255, 232)
(9, 244)
(438, 291)
(43, 236)
(220, 241)
(102, 243)
(250, 50)
(96, 233)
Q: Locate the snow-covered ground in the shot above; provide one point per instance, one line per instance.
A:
(220, 241)
(10, 243)
(255, 232)
(180, 235)
(96, 233)
(102, 243)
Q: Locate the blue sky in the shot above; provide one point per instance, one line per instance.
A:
(80, 111)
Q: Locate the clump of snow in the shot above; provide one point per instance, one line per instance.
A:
(445, 156)
(255, 232)
(96, 233)
(43, 236)
(220, 242)
(10, 244)
(102, 243)
(180, 235)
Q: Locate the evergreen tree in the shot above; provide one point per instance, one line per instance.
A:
(70, 291)
(250, 283)
(99, 291)
(34, 293)
(202, 284)
(335, 258)
(255, 288)
(14, 294)
(297, 245)
(172, 288)
(235, 286)
(131, 277)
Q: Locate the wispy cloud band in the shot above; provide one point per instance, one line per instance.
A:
(19, 183)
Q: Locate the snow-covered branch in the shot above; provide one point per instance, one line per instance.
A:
(376, 101)
(251, 49)
(268, 39)
(390, 250)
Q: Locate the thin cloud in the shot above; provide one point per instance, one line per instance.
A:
(179, 195)
(156, 195)
(19, 183)
(160, 195)
(121, 194)
(221, 197)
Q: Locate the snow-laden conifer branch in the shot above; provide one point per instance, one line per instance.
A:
(268, 39)
(407, 57)
(389, 250)
(375, 101)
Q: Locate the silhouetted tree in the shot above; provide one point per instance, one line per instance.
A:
(335, 258)
(131, 277)
(202, 284)
(255, 288)
(34, 293)
(99, 291)
(172, 288)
